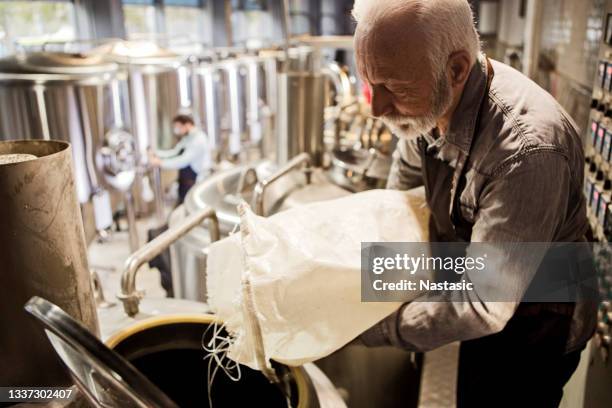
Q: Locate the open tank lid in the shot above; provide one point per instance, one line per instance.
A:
(137, 53)
(79, 65)
(102, 375)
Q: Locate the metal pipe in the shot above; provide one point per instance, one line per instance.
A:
(260, 188)
(43, 254)
(129, 295)
(87, 135)
(130, 213)
(41, 106)
(158, 193)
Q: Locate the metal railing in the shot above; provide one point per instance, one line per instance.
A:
(129, 295)
(302, 159)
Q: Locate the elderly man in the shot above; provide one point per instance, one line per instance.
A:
(501, 162)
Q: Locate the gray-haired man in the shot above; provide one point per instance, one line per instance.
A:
(501, 162)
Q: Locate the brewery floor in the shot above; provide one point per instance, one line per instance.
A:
(107, 259)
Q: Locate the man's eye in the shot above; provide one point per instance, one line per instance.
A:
(399, 92)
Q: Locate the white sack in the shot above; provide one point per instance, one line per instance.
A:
(305, 273)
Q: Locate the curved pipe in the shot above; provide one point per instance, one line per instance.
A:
(129, 295)
(258, 194)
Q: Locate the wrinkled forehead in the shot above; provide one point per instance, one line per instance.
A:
(394, 45)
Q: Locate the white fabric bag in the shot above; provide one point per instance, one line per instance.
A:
(304, 270)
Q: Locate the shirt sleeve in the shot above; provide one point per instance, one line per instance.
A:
(191, 152)
(164, 154)
(406, 167)
(526, 202)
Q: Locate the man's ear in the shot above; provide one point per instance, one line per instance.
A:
(459, 65)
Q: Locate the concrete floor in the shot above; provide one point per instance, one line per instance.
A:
(108, 259)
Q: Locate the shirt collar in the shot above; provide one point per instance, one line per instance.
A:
(463, 123)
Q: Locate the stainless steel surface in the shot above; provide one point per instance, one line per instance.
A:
(98, 291)
(381, 377)
(439, 377)
(235, 99)
(301, 108)
(130, 213)
(129, 295)
(222, 192)
(343, 89)
(359, 169)
(114, 322)
(158, 89)
(301, 160)
(61, 97)
(43, 253)
(174, 343)
(211, 102)
(71, 97)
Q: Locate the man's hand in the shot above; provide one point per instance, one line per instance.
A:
(154, 160)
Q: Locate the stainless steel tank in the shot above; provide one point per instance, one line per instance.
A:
(167, 360)
(223, 192)
(163, 337)
(222, 104)
(43, 253)
(235, 100)
(71, 97)
(211, 97)
(158, 89)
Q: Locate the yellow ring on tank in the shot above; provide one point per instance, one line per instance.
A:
(299, 375)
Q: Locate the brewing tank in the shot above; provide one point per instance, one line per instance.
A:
(235, 101)
(72, 97)
(158, 89)
(42, 253)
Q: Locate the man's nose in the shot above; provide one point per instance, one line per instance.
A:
(382, 103)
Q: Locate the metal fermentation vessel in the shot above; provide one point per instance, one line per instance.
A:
(42, 253)
(71, 97)
(235, 101)
(158, 90)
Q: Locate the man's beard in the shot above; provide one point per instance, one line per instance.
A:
(413, 126)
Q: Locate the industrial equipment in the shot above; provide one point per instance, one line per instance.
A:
(138, 365)
(71, 97)
(43, 254)
(158, 90)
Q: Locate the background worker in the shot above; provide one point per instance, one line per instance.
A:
(191, 155)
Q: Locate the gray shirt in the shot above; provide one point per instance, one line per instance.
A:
(192, 150)
(523, 167)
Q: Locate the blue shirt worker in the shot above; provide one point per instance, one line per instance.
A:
(190, 156)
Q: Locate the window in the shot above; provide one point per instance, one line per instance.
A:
(139, 18)
(329, 23)
(250, 5)
(29, 24)
(251, 22)
(300, 17)
(185, 21)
